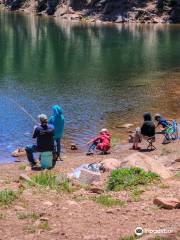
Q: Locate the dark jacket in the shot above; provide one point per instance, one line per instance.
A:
(148, 127)
(45, 137)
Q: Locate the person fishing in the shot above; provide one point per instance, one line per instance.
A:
(57, 120)
(44, 133)
(101, 142)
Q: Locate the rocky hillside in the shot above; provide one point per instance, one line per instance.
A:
(151, 11)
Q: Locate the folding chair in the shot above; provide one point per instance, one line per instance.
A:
(150, 142)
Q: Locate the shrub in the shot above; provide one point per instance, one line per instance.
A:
(128, 178)
(7, 196)
(49, 179)
(108, 201)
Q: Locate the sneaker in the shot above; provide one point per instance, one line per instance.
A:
(89, 153)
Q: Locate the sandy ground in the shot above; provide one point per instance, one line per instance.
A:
(74, 216)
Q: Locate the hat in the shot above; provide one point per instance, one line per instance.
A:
(157, 116)
(103, 130)
(43, 118)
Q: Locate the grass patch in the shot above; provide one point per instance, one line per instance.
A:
(177, 176)
(44, 226)
(164, 186)
(7, 196)
(22, 167)
(136, 194)
(80, 198)
(49, 179)
(107, 201)
(128, 238)
(2, 216)
(128, 178)
(34, 216)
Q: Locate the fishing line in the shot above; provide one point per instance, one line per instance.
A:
(22, 109)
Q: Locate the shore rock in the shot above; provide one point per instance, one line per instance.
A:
(147, 163)
(167, 203)
(88, 177)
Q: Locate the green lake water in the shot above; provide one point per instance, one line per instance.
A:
(102, 76)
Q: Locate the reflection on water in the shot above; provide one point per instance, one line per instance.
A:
(101, 75)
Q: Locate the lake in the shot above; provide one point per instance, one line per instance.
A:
(101, 75)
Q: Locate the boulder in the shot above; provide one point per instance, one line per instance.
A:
(147, 163)
(88, 177)
(20, 152)
(167, 203)
(25, 177)
(110, 164)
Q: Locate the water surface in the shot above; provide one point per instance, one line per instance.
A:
(102, 76)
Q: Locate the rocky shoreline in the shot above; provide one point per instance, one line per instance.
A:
(96, 11)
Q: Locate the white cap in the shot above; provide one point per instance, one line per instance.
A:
(103, 130)
(43, 118)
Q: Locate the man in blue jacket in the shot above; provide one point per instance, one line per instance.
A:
(57, 120)
(44, 134)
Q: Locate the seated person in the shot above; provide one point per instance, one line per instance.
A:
(162, 122)
(148, 127)
(101, 142)
(44, 134)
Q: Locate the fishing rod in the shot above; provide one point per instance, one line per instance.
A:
(22, 109)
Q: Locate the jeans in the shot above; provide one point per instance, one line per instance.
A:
(58, 146)
(92, 147)
(30, 149)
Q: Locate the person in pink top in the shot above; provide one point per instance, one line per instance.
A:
(102, 142)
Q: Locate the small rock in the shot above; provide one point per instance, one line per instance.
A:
(177, 160)
(19, 208)
(69, 202)
(111, 211)
(96, 190)
(55, 231)
(167, 203)
(24, 177)
(44, 219)
(47, 203)
(155, 20)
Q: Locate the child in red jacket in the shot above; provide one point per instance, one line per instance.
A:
(101, 142)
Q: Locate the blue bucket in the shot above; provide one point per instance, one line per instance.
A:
(46, 160)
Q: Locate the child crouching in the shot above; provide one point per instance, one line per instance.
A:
(101, 142)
